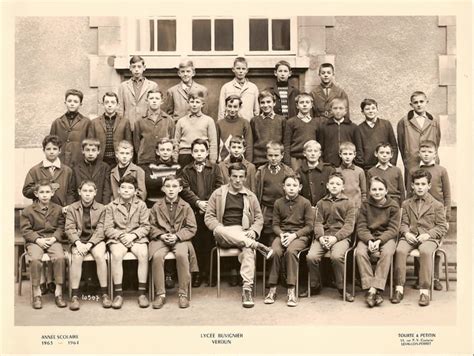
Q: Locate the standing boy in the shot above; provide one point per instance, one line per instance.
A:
(241, 87)
(42, 226)
(71, 128)
(373, 131)
(132, 92)
(177, 97)
(266, 127)
(172, 225)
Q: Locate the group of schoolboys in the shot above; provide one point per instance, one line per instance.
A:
(286, 168)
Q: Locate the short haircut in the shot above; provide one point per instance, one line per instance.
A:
(377, 179)
(110, 94)
(283, 63)
(417, 93)
(428, 144)
(346, 145)
(154, 91)
(275, 146)
(185, 63)
(124, 144)
(74, 92)
(237, 166)
(196, 94)
(128, 179)
(311, 143)
(232, 98)
(43, 183)
(326, 65)
(339, 100)
(90, 142)
(55, 140)
(240, 60)
(200, 141)
(384, 145)
(421, 173)
(172, 177)
(266, 94)
(294, 176)
(239, 140)
(164, 140)
(87, 182)
(304, 95)
(367, 102)
(336, 175)
(136, 59)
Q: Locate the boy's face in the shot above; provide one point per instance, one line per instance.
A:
(87, 193)
(232, 108)
(384, 154)
(195, 105)
(236, 149)
(90, 152)
(312, 154)
(124, 155)
(154, 101)
(427, 154)
(335, 186)
(304, 105)
(370, 112)
(347, 156)
(110, 105)
(267, 104)
(126, 191)
(237, 179)
(171, 188)
(291, 187)
(44, 194)
(274, 156)
(240, 70)
(186, 74)
(326, 75)
(73, 102)
(338, 109)
(421, 186)
(137, 69)
(418, 103)
(282, 73)
(199, 153)
(165, 151)
(51, 152)
(377, 190)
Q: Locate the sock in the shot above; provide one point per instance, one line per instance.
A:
(104, 290)
(75, 292)
(142, 288)
(36, 291)
(272, 289)
(291, 289)
(59, 290)
(118, 289)
(424, 291)
(399, 289)
(372, 290)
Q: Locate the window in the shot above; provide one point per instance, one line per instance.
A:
(212, 35)
(264, 33)
(155, 35)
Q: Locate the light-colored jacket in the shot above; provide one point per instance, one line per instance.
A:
(74, 216)
(247, 92)
(134, 171)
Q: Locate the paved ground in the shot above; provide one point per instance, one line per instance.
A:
(207, 309)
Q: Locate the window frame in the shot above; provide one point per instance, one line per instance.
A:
(293, 36)
(132, 35)
(212, 52)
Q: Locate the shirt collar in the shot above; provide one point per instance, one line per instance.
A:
(112, 117)
(186, 87)
(71, 115)
(236, 83)
(199, 114)
(344, 166)
(371, 123)
(429, 164)
(378, 165)
(270, 116)
(304, 117)
(55, 164)
(138, 80)
(338, 122)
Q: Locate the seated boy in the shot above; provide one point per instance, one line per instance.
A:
(333, 228)
(300, 129)
(237, 148)
(125, 167)
(93, 169)
(390, 173)
(292, 224)
(126, 228)
(195, 125)
(85, 231)
(423, 226)
(177, 97)
(266, 127)
(234, 216)
(152, 127)
(71, 128)
(110, 128)
(172, 225)
(42, 226)
(355, 186)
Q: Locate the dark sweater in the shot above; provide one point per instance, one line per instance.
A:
(297, 133)
(335, 217)
(270, 186)
(394, 178)
(99, 173)
(264, 131)
(228, 128)
(314, 181)
(293, 216)
(377, 222)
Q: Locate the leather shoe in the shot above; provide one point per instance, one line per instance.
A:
(37, 302)
(349, 297)
(59, 300)
(370, 299)
(234, 280)
(378, 299)
(196, 283)
(143, 301)
(183, 301)
(437, 285)
(314, 291)
(159, 301)
(424, 300)
(118, 301)
(74, 305)
(106, 301)
(397, 297)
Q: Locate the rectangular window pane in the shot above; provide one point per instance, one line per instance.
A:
(224, 35)
(166, 35)
(152, 35)
(281, 35)
(258, 34)
(201, 35)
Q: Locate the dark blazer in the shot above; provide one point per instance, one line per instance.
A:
(293, 92)
(73, 227)
(176, 102)
(34, 224)
(100, 176)
(314, 190)
(322, 103)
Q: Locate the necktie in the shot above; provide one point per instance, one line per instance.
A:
(51, 170)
